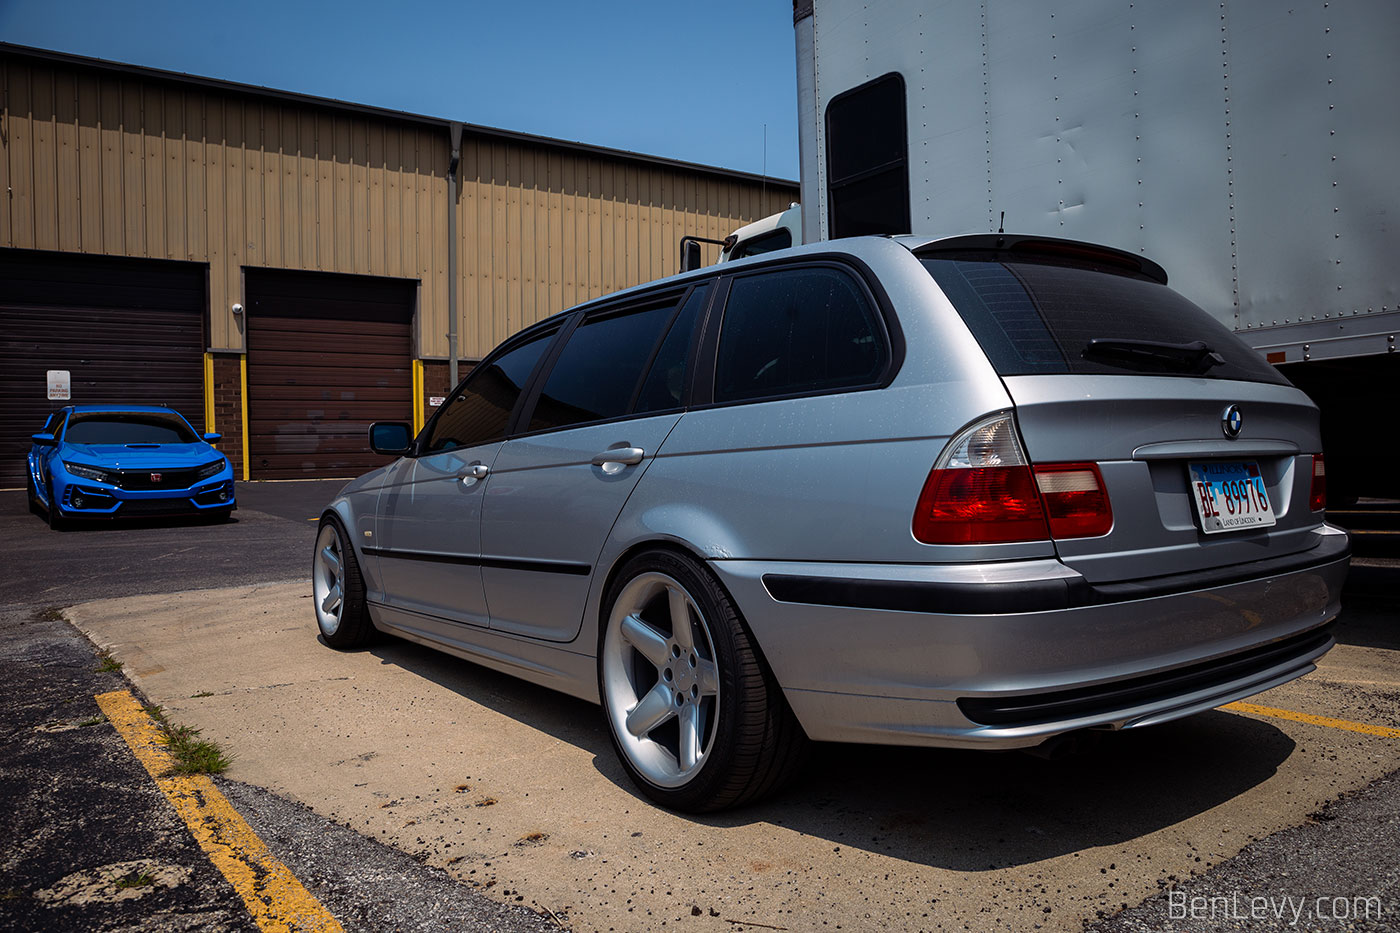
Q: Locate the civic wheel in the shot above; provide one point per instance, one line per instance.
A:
(57, 522)
(34, 505)
(697, 720)
(338, 589)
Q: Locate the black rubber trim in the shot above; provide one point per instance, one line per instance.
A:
(1037, 708)
(499, 563)
(1033, 595)
(905, 596)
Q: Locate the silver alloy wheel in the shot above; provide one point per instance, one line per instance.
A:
(327, 580)
(660, 679)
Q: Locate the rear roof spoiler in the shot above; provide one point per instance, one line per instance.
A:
(1020, 246)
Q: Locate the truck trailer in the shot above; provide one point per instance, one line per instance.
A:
(1247, 147)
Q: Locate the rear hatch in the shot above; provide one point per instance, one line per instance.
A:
(1205, 450)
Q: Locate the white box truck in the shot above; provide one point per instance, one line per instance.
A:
(1251, 148)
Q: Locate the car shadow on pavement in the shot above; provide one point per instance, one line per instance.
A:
(955, 809)
(983, 810)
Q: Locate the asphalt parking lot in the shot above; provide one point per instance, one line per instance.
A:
(510, 794)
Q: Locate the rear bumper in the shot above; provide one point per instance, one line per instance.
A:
(1007, 655)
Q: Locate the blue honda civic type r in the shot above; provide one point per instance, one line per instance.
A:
(118, 461)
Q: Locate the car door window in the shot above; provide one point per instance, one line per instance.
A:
(664, 387)
(597, 373)
(797, 330)
(480, 410)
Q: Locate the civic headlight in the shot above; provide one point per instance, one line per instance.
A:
(209, 469)
(88, 472)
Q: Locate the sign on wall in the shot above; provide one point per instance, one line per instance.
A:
(60, 385)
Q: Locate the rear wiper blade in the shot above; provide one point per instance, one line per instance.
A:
(1194, 357)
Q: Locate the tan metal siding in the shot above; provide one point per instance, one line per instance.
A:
(116, 163)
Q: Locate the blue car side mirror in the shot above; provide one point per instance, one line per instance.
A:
(211, 437)
(44, 440)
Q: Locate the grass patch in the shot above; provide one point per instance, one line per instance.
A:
(135, 880)
(49, 614)
(107, 664)
(192, 754)
(97, 720)
(201, 694)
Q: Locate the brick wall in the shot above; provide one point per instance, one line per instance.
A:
(228, 409)
(435, 373)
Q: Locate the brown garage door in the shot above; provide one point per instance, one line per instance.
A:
(327, 355)
(128, 330)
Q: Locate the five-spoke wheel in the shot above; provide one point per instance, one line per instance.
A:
(337, 589)
(697, 720)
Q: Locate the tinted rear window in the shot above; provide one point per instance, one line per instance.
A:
(1035, 317)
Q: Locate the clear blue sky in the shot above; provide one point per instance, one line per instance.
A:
(693, 81)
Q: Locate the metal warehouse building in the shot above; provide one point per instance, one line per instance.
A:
(283, 267)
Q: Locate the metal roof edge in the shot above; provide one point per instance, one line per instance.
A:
(257, 90)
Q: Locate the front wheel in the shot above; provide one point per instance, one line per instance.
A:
(696, 719)
(57, 522)
(338, 589)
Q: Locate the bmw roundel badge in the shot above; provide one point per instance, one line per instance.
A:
(1231, 421)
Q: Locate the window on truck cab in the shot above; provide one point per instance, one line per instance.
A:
(867, 168)
(766, 243)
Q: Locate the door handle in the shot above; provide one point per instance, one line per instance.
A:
(616, 457)
(470, 474)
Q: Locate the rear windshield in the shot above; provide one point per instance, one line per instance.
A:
(128, 428)
(1033, 317)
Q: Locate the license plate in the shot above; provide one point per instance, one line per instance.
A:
(1230, 495)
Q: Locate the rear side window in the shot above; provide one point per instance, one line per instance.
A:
(596, 375)
(1032, 317)
(797, 330)
(480, 411)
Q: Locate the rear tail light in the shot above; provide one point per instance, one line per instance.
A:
(1075, 500)
(1317, 498)
(983, 490)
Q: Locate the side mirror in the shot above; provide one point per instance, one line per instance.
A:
(691, 257)
(44, 440)
(212, 437)
(391, 438)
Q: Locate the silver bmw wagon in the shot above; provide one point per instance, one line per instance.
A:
(981, 491)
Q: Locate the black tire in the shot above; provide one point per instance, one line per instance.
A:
(346, 626)
(57, 521)
(35, 507)
(755, 743)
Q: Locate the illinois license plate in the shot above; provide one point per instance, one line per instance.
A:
(1230, 495)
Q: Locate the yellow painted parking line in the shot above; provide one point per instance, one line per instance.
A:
(1385, 732)
(276, 899)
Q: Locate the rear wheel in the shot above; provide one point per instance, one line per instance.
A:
(338, 589)
(696, 719)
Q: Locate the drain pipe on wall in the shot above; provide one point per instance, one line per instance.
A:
(456, 130)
